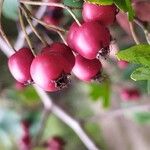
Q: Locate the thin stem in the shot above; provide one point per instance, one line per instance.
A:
(52, 27)
(147, 34)
(1, 29)
(62, 37)
(27, 15)
(133, 33)
(21, 36)
(52, 4)
(24, 29)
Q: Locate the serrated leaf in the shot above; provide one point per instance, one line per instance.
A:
(101, 2)
(139, 54)
(142, 73)
(131, 13)
(100, 90)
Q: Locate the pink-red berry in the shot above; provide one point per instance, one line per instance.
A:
(47, 71)
(122, 64)
(19, 65)
(87, 70)
(105, 14)
(65, 52)
(90, 40)
(128, 94)
(55, 143)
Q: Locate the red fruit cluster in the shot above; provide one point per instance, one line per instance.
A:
(55, 143)
(51, 68)
(128, 94)
(91, 39)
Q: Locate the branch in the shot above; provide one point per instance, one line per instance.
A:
(49, 105)
(57, 111)
(36, 3)
(121, 111)
(21, 37)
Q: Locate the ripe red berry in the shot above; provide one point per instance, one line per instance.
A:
(123, 64)
(47, 71)
(56, 143)
(71, 34)
(128, 94)
(105, 14)
(65, 52)
(90, 39)
(86, 69)
(19, 65)
(50, 20)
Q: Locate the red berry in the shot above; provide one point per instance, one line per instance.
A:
(25, 143)
(50, 20)
(65, 52)
(71, 34)
(105, 14)
(19, 65)
(90, 39)
(56, 143)
(86, 69)
(123, 64)
(47, 71)
(130, 94)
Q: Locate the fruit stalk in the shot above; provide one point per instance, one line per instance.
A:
(24, 29)
(52, 4)
(27, 15)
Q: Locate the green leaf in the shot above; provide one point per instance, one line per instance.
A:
(101, 2)
(142, 117)
(101, 90)
(73, 3)
(139, 54)
(142, 73)
(121, 4)
(10, 9)
(131, 13)
(148, 86)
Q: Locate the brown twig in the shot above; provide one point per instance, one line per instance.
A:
(27, 15)
(52, 4)
(24, 29)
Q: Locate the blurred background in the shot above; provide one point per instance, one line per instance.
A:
(113, 120)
